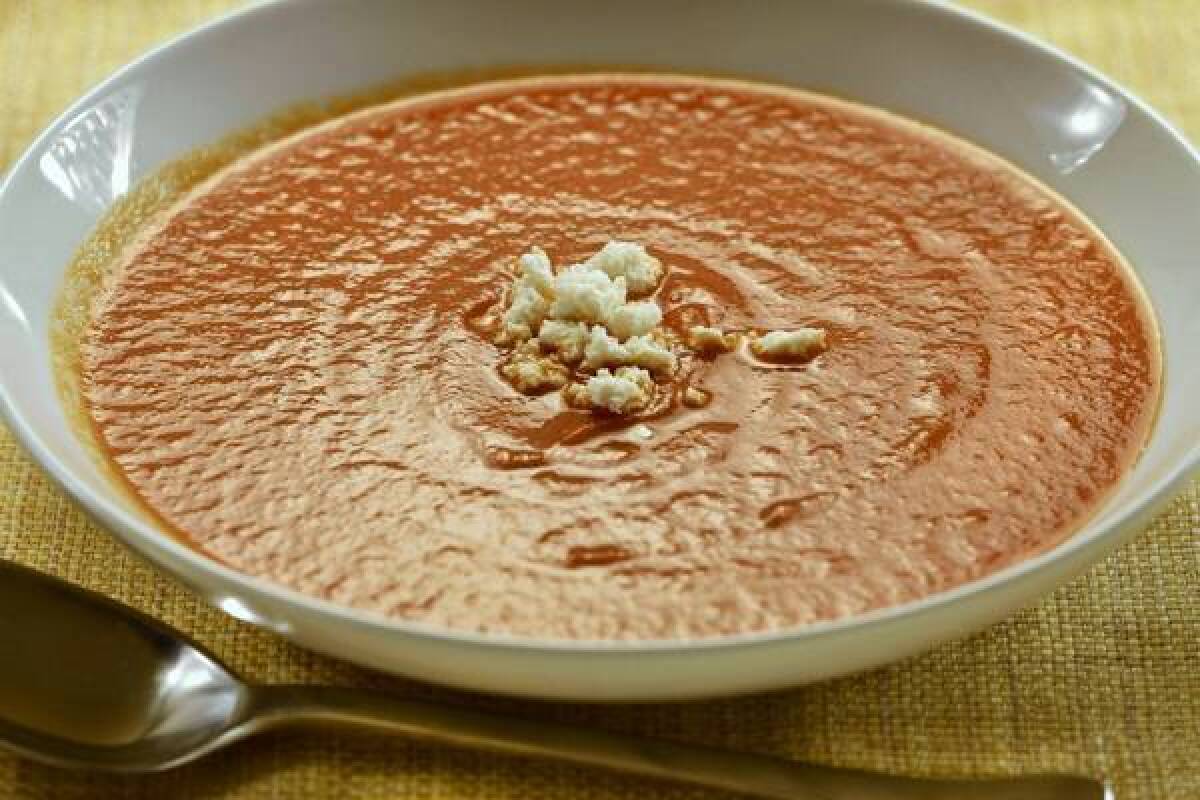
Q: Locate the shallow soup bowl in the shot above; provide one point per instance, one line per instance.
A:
(1104, 150)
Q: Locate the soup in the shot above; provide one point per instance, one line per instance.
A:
(297, 369)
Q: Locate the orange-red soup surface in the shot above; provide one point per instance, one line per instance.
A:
(289, 369)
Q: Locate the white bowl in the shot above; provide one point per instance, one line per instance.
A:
(1089, 139)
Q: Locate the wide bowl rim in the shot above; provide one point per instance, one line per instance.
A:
(159, 546)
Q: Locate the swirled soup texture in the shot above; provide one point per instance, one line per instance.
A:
(293, 367)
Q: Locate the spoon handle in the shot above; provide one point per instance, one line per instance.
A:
(755, 775)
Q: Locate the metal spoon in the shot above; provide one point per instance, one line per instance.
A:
(86, 682)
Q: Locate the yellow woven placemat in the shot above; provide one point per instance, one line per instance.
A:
(1101, 678)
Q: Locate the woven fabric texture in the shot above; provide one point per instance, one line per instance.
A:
(1100, 678)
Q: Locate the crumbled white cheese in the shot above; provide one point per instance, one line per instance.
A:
(630, 261)
(576, 395)
(586, 295)
(532, 373)
(639, 351)
(568, 339)
(524, 315)
(555, 321)
(696, 398)
(643, 351)
(633, 319)
(704, 339)
(794, 343)
(627, 390)
(537, 272)
(603, 349)
(643, 432)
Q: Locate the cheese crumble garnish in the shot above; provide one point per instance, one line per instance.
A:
(603, 349)
(625, 391)
(533, 373)
(568, 339)
(710, 340)
(643, 432)
(525, 315)
(695, 398)
(576, 329)
(645, 351)
(537, 272)
(584, 294)
(788, 344)
(639, 351)
(630, 261)
(633, 319)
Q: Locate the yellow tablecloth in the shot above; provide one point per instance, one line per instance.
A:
(1101, 678)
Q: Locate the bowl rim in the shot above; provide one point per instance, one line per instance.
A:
(157, 546)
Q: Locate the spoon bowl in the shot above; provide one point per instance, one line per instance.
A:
(94, 683)
(89, 683)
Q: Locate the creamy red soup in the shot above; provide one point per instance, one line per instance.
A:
(294, 367)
